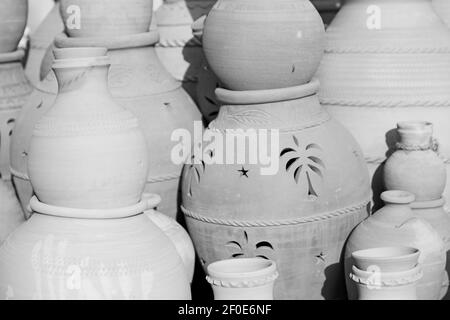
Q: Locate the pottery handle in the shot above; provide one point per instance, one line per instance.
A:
(197, 27)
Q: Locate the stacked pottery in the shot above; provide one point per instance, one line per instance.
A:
(182, 54)
(389, 273)
(387, 61)
(138, 82)
(396, 225)
(442, 8)
(296, 204)
(88, 237)
(242, 279)
(416, 167)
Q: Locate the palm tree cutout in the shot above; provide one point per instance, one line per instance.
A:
(306, 165)
(195, 170)
(247, 250)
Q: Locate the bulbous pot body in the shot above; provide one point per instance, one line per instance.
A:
(50, 257)
(14, 91)
(387, 62)
(415, 166)
(40, 56)
(140, 84)
(257, 63)
(296, 209)
(118, 17)
(13, 19)
(399, 227)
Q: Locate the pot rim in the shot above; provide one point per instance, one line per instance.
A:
(428, 204)
(120, 42)
(149, 201)
(80, 57)
(398, 197)
(387, 279)
(247, 97)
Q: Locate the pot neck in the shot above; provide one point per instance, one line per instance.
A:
(415, 135)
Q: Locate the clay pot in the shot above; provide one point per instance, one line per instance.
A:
(433, 212)
(399, 227)
(74, 142)
(139, 83)
(386, 259)
(179, 237)
(40, 54)
(415, 166)
(13, 19)
(57, 255)
(401, 285)
(14, 90)
(442, 8)
(256, 63)
(301, 214)
(373, 76)
(106, 18)
(242, 279)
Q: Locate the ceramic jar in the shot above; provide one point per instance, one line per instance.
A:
(13, 19)
(255, 64)
(40, 56)
(73, 144)
(387, 62)
(442, 8)
(415, 166)
(57, 253)
(14, 90)
(106, 18)
(389, 273)
(399, 227)
(139, 83)
(243, 279)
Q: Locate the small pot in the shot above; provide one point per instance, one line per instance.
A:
(242, 279)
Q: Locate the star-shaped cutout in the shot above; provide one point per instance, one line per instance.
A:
(244, 173)
(321, 257)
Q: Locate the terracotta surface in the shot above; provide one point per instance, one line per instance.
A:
(40, 57)
(442, 8)
(396, 225)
